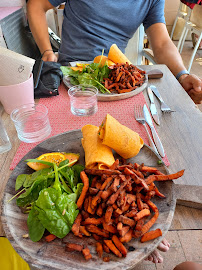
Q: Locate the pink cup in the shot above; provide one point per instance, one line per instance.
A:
(13, 96)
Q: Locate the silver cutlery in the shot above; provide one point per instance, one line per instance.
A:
(153, 106)
(164, 107)
(156, 138)
(138, 111)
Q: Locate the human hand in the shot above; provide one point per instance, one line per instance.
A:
(193, 86)
(49, 56)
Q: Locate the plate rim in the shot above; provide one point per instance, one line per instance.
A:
(112, 96)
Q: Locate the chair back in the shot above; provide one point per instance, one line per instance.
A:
(196, 16)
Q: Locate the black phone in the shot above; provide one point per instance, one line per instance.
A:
(37, 68)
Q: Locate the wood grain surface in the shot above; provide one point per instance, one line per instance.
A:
(44, 254)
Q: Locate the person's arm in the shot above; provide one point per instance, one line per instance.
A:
(165, 52)
(36, 12)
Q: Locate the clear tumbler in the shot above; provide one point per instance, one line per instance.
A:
(31, 122)
(83, 100)
(5, 144)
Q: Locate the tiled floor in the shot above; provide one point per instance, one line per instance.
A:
(186, 244)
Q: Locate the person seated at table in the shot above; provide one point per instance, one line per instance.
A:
(91, 26)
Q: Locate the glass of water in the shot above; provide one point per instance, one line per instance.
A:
(31, 122)
(5, 144)
(83, 100)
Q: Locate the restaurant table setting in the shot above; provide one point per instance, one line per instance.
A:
(65, 119)
(61, 119)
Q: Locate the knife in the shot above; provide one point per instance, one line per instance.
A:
(157, 141)
(153, 106)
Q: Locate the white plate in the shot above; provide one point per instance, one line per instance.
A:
(113, 96)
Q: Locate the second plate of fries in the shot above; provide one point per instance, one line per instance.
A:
(123, 87)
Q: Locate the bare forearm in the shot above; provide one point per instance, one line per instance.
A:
(165, 52)
(37, 21)
(169, 55)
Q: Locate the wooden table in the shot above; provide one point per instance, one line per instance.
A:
(181, 135)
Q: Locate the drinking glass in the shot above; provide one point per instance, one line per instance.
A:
(13, 96)
(83, 100)
(5, 144)
(31, 122)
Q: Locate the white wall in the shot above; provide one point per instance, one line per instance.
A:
(12, 3)
(171, 8)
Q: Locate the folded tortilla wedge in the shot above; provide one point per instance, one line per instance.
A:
(97, 155)
(123, 140)
(116, 55)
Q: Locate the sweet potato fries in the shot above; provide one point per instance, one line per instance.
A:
(124, 78)
(118, 207)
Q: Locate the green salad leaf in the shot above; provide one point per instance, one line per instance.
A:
(36, 228)
(31, 194)
(57, 211)
(91, 75)
(20, 180)
(50, 196)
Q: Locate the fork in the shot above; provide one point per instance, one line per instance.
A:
(164, 106)
(139, 116)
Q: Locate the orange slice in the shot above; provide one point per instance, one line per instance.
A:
(55, 157)
(104, 60)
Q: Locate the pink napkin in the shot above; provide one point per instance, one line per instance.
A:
(62, 120)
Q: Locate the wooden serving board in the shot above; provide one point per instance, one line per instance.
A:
(53, 255)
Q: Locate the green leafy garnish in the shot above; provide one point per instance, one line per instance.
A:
(91, 75)
(50, 195)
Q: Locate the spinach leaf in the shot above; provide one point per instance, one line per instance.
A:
(67, 173)
(74, 81)
(52, 193)
(86, 79)
(67, 71)
(64, 185)
(72, 197)
(77, 169)
(57, 211)
(33, 177)
(63, 163)
(56, 184)
(31, 194)
(78, 190)
(20, 180)
(36, 228)
(71, 174)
